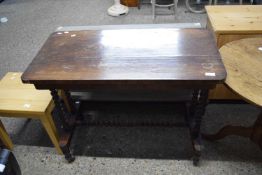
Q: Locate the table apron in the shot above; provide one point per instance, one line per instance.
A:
(129, 87)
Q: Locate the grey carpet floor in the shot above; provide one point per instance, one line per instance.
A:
(114, 150)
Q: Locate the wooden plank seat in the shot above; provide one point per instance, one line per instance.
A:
(23, 100)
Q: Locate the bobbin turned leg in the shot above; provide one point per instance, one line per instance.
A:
(73, 108)
(195, 112)
(67, 124)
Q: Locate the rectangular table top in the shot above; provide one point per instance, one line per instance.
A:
(235, 18)
(152, 57)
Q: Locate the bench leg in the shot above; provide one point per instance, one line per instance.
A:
(50, 128)
(5, 137)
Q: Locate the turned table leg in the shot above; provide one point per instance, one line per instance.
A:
(71, 106)
(67, 124)
(254, 132)
(195, 112)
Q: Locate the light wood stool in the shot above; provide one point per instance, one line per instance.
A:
(23, 100)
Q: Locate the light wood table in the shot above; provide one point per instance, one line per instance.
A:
(230, 23)
(243, 62)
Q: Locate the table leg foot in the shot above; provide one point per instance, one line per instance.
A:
(196, 159)
(69, 156)
(64, 144)
(197, 145)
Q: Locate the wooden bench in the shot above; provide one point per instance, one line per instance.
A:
(23, 100)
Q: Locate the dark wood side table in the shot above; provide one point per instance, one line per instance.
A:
(165, 59)
(243, 62)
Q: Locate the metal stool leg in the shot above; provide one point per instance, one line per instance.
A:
(175, 6)
(153, 2)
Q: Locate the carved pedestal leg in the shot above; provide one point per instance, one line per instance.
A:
(68, 124)
(254, 132)
(229, 130)
(194, 118)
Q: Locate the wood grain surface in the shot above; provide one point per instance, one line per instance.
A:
(134, 57)
(235, 18)
(23, 100)
(243, 62)
(18, 99)
(130, 3)
(229, 23)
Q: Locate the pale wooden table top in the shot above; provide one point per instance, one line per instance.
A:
(235, 18)
(243, 62)
(24, 98)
